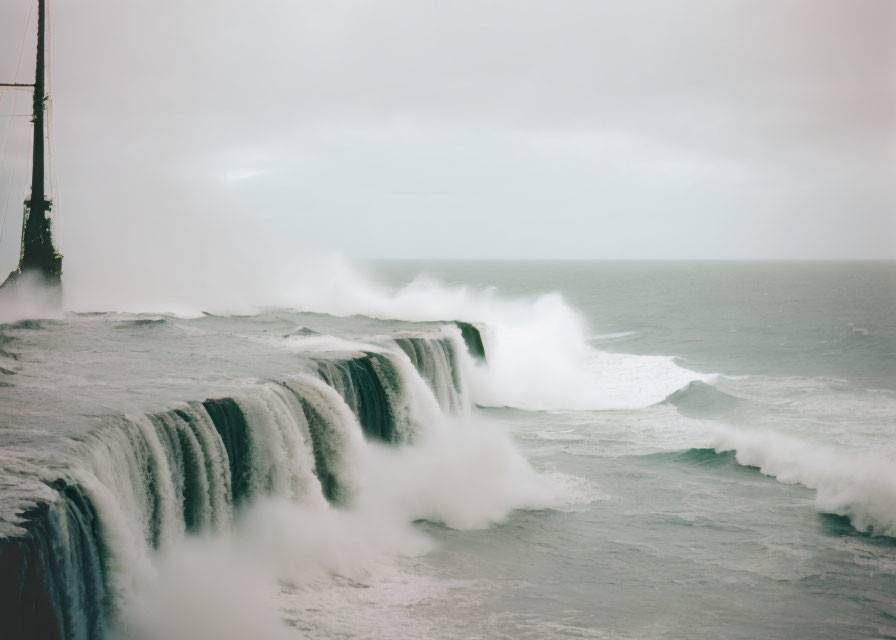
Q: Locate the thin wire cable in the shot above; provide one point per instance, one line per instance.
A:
(8, 134)
(17, 74)
(17, 172)
(18, 70)
(51, 164)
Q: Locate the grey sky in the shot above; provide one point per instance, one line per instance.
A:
(490, 129)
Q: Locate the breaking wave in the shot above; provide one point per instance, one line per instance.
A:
(539, 351)
(319, 473)
(859, 485)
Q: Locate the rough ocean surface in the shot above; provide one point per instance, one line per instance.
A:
(657, 450)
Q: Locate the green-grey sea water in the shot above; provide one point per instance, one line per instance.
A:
(682, 541)
(649, 450)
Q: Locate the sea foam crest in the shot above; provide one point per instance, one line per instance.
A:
(539, 349)
(860, 485)
(279, 464)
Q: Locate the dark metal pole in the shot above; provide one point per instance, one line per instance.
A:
(38, 254)
(40, 96)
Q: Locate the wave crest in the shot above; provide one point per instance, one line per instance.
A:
(698, 399)
(858, 485)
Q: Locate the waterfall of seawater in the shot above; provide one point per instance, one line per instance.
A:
(144, 482)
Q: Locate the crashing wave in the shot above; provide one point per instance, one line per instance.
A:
(144, 483)
(858, 485)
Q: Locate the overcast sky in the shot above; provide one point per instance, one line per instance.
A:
(488, 129)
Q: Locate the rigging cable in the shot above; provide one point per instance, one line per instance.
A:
(51, 166)
(16, 172)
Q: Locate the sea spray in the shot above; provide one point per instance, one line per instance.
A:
(860, 485)
(465, 475)
(539, 354)
(539, 349)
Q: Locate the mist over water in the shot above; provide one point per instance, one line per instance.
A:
(224, 586)
(618, 432)
(227, 432)
(539, 351)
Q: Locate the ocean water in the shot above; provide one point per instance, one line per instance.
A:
(741, 505)
(649, 450)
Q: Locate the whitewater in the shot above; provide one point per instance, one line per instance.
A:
(453, 450)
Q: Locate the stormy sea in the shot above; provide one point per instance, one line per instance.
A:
(493, 450)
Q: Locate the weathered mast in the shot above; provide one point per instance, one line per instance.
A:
(38, 255)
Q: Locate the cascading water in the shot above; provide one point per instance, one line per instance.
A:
(54, 577)
(143, 482)
(438, 360)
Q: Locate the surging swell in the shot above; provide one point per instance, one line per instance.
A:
(698, 399)
(858, 485)
(147, 481)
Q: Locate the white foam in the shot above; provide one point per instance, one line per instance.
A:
(467, 475)
(322, 344)
(464, 473)
(537, 347)
(538, 350)
(613, 337)
(26, 297)
(860, 485)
